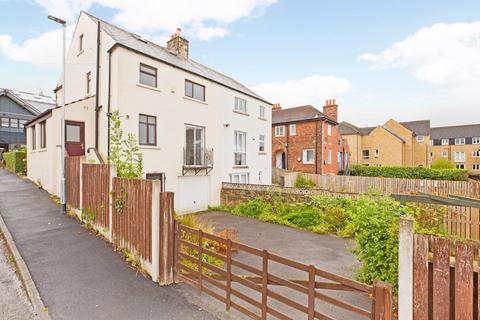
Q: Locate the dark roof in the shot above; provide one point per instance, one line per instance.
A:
(139, 44)
(420, 127)
(464, 131)
(34, 103)
(301, 113)
(347, 128)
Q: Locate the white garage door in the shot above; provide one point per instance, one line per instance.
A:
(193, 193)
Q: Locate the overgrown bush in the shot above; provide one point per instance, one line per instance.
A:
(15, 161)
(410, 172)
(304, 182)
(372, 220)
(442, 163)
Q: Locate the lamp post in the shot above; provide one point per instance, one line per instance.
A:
(63, 202)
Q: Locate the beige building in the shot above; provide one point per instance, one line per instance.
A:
(391, 144)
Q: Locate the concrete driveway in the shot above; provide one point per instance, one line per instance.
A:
(326, 252)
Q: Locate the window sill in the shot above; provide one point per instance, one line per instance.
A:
(240, 167)
(195, 100)
(308, 162)
(263, 119)
(148, 147)
(241, 112)
(80, 53)
(279, 136)
(263, 153)
(148, 87)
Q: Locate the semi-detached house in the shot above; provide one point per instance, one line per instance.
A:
(196, 127)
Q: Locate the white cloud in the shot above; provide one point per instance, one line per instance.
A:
(43, 50)
(444, 55)
(204, 19)
(309, 90)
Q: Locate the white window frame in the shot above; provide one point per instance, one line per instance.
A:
(420, 138)
(261, 112)
(240, 148)
(329, 156)
(476, 154)
(366, 157)
(278, 133)
(476, 166)
(431, 142)
(460, 166)
(445, 153)
(459, 156)
(305, 156)
(197, 147)
(240, 105)
(292, 130)
(476, 140)
(445, 142)
(245, 176)
(377, 153)
(459, 141)
(329, 129)
(261, 143)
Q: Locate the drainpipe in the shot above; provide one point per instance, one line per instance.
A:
(287, 133)
(108, 103)
(321, 147)
(316, 147)
(97, 108)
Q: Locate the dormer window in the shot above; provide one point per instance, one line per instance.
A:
(445, 142)
(459, 140)
(80, 43)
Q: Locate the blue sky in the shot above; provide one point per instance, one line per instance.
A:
(406, 60)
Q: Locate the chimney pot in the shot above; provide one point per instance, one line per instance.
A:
(333, 103)
(178, 45)
(331, 109)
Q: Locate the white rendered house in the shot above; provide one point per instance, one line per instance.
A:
(195, 126)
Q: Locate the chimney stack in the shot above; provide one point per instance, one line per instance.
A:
(331, 109)
(178, 45)
(276, 106)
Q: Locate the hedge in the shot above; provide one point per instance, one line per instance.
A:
(14, 161)
(410, 173)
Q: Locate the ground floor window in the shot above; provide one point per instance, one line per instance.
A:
(308, 156)
(460, 166)
(147, 130)
(43, 135)
(476, 166)
(239, 177)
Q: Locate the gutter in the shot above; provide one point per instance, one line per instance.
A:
(97, 84)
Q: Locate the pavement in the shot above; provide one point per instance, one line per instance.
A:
(14, 303)
(326, 252)
(77, 274)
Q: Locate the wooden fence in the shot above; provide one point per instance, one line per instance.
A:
(463, 222)
(354, 184)
(72, 180)
(131, 216)
(254, 296)
(96, 192)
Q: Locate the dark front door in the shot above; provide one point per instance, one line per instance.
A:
(75, 138)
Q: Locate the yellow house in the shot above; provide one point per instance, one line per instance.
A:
(391, 144)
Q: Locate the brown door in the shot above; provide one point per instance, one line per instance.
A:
(75, 138)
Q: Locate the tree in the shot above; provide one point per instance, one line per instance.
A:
(442, 163)
(124, 152)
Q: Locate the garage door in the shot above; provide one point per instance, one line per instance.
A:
(193, 193)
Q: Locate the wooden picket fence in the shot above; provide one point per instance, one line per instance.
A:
(131, 216)
(253, 295)
(445, 279)
(72, 180)
(359, 185)
(96, 192)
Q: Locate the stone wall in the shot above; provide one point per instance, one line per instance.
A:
(233, 194)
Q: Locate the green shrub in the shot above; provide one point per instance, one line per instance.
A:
(442, 163)
(304, 182)
(410, 173)
(14, 161)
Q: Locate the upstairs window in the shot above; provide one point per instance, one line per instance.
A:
(445, 142)
(262, 112)
(43, 135)
(293, 130)
(476, 154)
(366, 154)
(148, 75)
(459, 156)
(261, 143)
(80, 43)
(89, 81)
(476, 140)
(194, 90)
(5, 122)
(147, 130)
(329, 129)
(240, 105)
(194, 145)
(445, 153)
(329, 156)
(279, 131)
(459, 140)
(240, 153)
(476, 166)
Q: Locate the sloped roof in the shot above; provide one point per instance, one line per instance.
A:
(35, 103)
(464, 131)
(347, 128)
(420, 127)
(139, 44)
(393, 133)
(301, 113)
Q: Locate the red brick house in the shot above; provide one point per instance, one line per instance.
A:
(307, 140)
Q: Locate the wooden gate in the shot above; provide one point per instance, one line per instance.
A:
(72, 181)
(210, 263)
(96, 192)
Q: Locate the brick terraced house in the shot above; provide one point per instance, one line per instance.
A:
(307, 140)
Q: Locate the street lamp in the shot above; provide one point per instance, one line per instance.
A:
(63, 202)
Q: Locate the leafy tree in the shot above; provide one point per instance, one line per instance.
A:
(442, 163)
(124, 152)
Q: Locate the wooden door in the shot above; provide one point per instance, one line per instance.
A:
(75, 138)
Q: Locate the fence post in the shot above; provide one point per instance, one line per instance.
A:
(166, 239)
(229, 274)
(382, 301)
(176, 235)
(405, 268)
(80, 187)
(112, 174)
(264, 284)
(155, 212)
